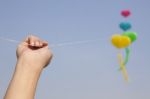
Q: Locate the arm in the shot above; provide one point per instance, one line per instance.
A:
(32, 56)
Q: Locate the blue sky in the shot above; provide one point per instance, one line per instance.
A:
(79, 71)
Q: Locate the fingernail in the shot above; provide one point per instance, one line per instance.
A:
(41, 44)
(32, 43)
(37, 43)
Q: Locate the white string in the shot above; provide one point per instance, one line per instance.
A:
(55, 45)
(74, 43)
(10, 40)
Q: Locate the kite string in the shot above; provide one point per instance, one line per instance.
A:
(55, 45)
(9, 40)
(127, 55)
(122, 66)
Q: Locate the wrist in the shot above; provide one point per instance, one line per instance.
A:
(23, 65)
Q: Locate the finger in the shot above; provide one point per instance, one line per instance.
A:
(41, 44)
(45, 43)
(27, 40)
(34, 41)
(37, 43)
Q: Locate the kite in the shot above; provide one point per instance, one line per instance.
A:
(125, 13)
(123, 41)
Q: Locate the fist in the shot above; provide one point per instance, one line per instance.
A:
(33, 53)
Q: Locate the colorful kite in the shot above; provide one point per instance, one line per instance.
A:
(124, 40)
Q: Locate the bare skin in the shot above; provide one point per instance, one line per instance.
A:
(33, 55)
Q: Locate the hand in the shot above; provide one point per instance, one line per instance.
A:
(33, 53)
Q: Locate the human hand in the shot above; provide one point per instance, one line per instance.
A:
(33, 53)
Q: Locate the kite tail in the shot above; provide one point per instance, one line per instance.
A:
(127, 52)
(127, 56)
(122, 67)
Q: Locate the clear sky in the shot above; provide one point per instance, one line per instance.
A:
(79, 71)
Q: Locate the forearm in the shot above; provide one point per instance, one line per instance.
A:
(24, 82)
(33, 55)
